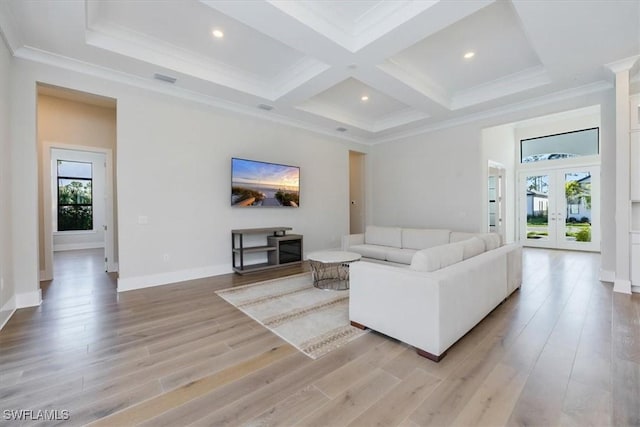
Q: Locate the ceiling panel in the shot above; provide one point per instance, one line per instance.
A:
(344, 102)
(495, 36)
(189, 25)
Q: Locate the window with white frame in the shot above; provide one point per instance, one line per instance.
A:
(75, 195)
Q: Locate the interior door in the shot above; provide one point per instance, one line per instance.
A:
(560, 208)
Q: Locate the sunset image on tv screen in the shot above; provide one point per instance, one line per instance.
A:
(264, 184)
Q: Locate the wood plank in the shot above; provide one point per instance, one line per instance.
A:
(353, 402)
(495, 399)
(342, 378)
(400, 401)
(586, 406)
(256, 402)
(290, 410)
(148, 409)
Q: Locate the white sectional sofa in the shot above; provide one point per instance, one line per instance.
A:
(428, 288)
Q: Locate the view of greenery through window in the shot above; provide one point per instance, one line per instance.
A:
(577, 193)
(75, 196)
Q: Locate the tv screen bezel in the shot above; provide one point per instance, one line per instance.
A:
(264, 163)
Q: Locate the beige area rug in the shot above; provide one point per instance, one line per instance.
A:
(315, 321)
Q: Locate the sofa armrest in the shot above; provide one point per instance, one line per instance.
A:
(396, 301)
(352, 240)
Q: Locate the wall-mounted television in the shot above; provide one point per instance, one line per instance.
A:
(255, 183)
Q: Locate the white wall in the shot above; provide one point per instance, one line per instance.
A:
(437, 179)
(7, 288)
(174, 168)
(433, 180)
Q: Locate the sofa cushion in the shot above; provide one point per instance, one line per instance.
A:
(472, 247)
(414, 238)
(459, 236)
(438, 257)
(383, 236)
(370, 251)
(402, 256)
(491, 240)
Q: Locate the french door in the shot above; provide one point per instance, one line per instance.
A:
(560, 208)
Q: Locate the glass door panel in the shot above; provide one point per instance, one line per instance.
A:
(560, 208)
(537, 207)
(577, 200)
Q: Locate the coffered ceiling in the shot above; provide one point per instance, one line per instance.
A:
(363, 70)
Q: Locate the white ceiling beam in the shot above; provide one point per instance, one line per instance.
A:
(276, 24)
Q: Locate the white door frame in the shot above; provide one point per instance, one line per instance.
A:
(499, 171)
(550, 170)
(109, 237)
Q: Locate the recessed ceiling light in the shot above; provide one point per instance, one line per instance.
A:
(469, 55)
(217, 34)
(364, 98)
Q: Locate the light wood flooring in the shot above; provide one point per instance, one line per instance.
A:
(564, 350)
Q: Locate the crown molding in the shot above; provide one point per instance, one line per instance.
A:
(420, 84)
(622, 64)
(299, 74)
(508, 85)
(11, 36)
(598, 86)
(388, 121)
(398, 118)
(157, 52)
(58, 61)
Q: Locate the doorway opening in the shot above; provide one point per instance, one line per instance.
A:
(560, 208)
(356, 192)
(559, 181)
(77, 191)
(496, 190)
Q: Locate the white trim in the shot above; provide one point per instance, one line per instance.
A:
(635, 289)
(44, 277)
(75, 232)
(622, 64)
(75, 246)
(607, 276)
(141, 282)
(29, 299)
(622, 286)
(551, 98)
(113, 267)
(7, 311)
(66, 63)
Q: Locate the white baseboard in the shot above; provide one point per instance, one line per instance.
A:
(44, 277)
(635, 289)
(7, 311)
(113, 267)
(622, 286)
(607, 276)
(76, 246)
(29, 299)
(141, 282)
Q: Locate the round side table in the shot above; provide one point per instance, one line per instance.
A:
(330, 269)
